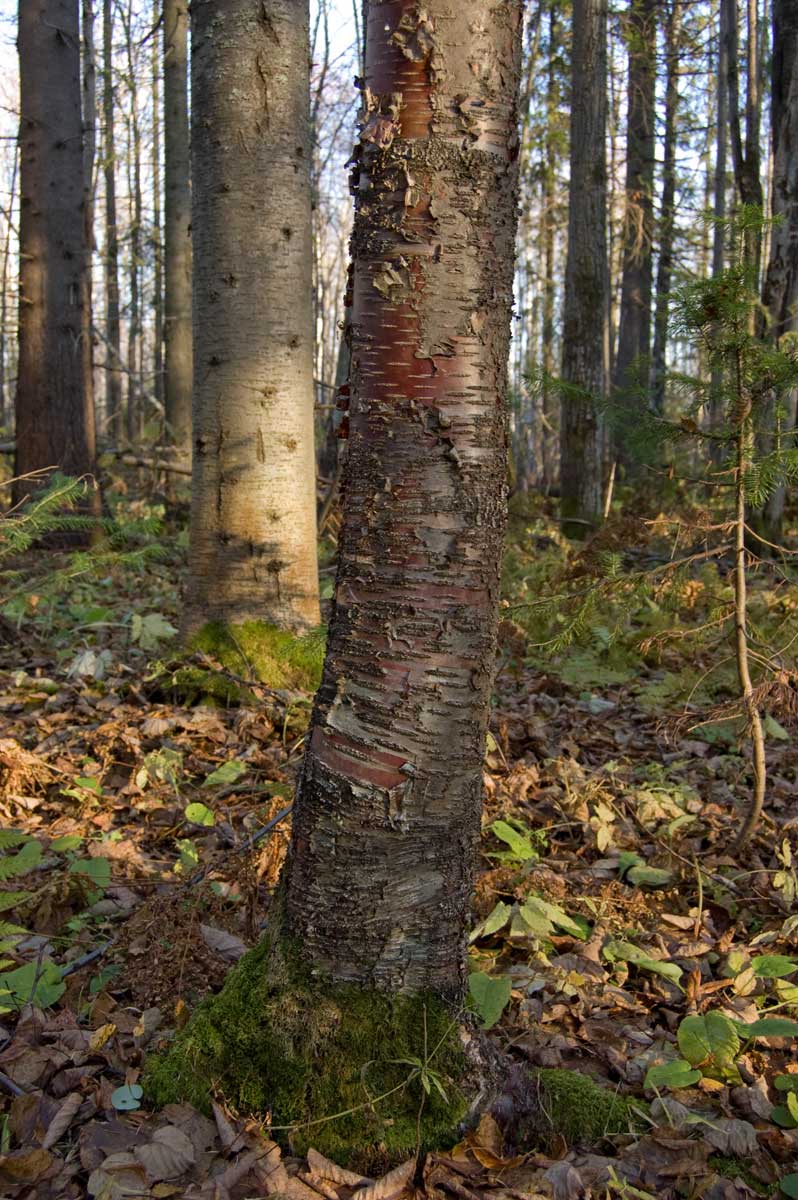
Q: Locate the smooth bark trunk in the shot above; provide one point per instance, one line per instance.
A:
(585, 362)
(379, 878)
(177, 225)
(253, 516)
(54, 418)
(719, 205)
(745, 147)
(113, 395)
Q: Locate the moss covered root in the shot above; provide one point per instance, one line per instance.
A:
(579, 1110)
(336, 1067)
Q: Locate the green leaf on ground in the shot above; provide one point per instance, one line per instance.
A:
(199, 814)
(227, 773)
(491, 995)
(710, 1040)
(676, 1074)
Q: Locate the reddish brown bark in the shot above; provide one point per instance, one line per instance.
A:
(379, 880)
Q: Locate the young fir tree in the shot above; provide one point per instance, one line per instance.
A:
(253, 513)
(361, 980)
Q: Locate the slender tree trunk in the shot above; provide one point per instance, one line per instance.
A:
(634, 331)
(54, 417)
(780, 292)
(89, 83)
(157, 243)
(253, 516)
(135, 413)
(719, 204)
(585, 363)
(392, 778)
(4, 285)
(177, 224)
(113, 374)
(746, 151)
(667, 214)
(548, 433)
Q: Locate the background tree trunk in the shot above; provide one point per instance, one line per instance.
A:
(54, 418)
(177, 225)
(253, 516)
(585, 364)
(113, 400)
(392, 778)
(157, 243)
(634, 330)
(8, 217)
(746, 151)
(780, 292)
(89, 82)
(719, 201)
(666, 221)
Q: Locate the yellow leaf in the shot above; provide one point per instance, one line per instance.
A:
(101, 1036)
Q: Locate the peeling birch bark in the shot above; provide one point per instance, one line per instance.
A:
(253, 514)
(379, 880)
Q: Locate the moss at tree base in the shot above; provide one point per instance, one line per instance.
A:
(252, 651)
(575, 1107)
(278, 1044)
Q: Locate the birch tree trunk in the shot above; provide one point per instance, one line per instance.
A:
(634, 330)
(253, 515)
(54, 417)
(585, 361)
(113, 396)
(376, 896)
(393, 771)
(8, 218)
(177, 225)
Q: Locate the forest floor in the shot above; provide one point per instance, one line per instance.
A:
(616, 928)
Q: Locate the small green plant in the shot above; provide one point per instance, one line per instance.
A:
(710, 1045)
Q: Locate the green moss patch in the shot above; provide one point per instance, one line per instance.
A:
(252, 652)
(333, 1066)
(574, 1106)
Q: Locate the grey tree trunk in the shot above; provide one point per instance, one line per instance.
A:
(89, 84)
(634, 329)
(667, 205)
(135, 413)
(157, 243)
(585, 360)
(54, 417)
(8, 217)
(379, 878)
(113, 374)
(548, 434)
(719, 203)
(177, 225)
(253, 514)
(780, 292)
(746, 149)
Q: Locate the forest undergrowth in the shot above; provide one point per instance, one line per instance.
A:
(618, 938)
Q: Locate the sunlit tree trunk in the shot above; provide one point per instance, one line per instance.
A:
(585, 361)
(113, 397)
(378, 885)
(634, 330)
(134, 408)
(253, 516)
(54, 417)
(177, 225)
(548, 434)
